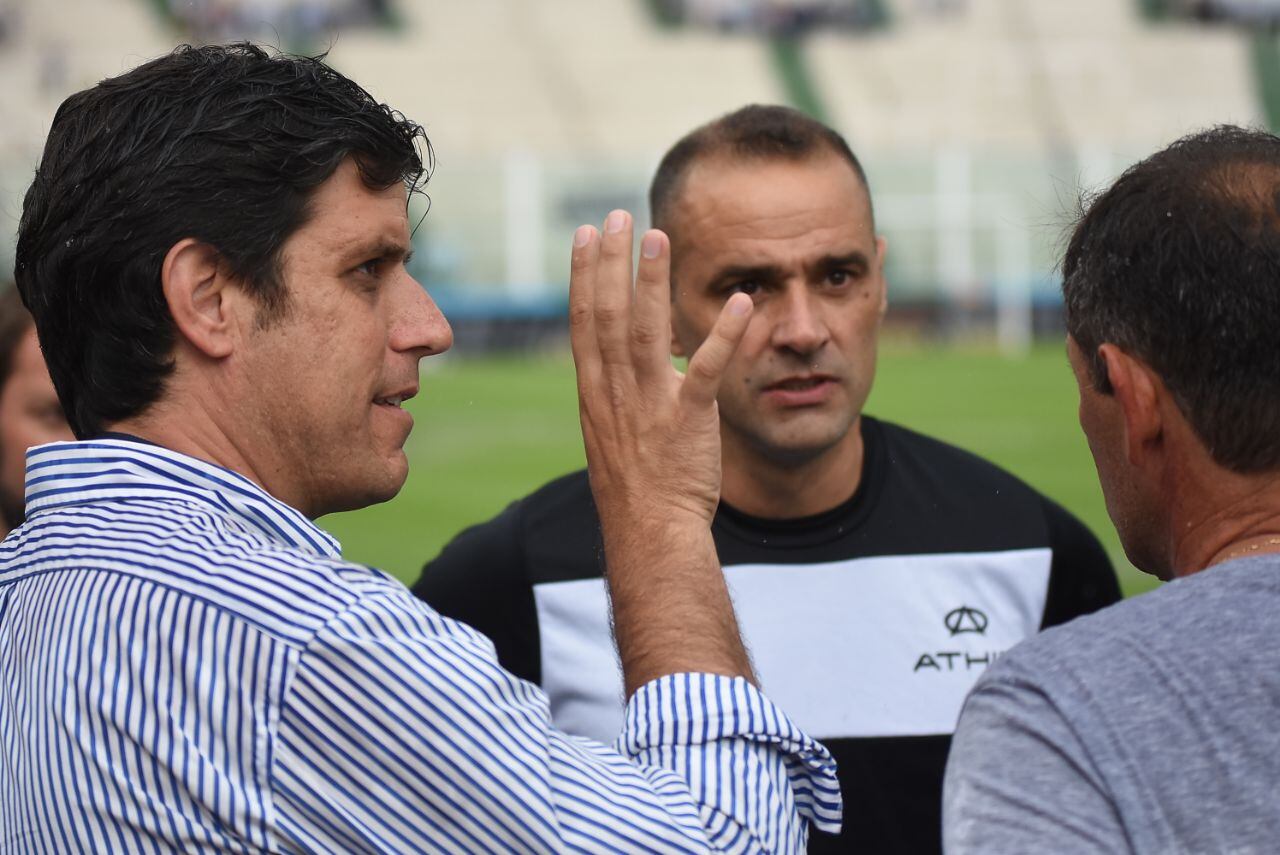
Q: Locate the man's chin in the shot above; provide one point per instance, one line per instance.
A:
(396, 473)
(809, 435)
(794, 450)
(370, 491)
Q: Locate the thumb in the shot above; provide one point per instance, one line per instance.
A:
(707, 365)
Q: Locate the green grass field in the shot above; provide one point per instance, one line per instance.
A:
(490, 430)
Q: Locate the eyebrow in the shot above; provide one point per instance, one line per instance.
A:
(381, 248)
(857, 258)
(772, 272)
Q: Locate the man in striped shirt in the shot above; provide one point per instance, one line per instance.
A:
(214, 252)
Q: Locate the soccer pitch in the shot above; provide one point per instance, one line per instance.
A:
(489, 430)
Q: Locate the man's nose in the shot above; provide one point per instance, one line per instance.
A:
(798, 324)
(420, 325)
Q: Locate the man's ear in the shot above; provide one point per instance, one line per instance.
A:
(1137, 390)
(195, 287)
(882, 249)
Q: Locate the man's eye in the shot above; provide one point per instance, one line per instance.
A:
(748, 287)
(840, 277)
(370, 267)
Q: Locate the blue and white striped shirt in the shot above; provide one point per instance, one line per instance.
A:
(188, 664)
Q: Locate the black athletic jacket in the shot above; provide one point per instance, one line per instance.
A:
(867, 623)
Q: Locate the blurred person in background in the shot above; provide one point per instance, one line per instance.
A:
(29, 410)
(1150, 727)
(876, 571)
(213, 249)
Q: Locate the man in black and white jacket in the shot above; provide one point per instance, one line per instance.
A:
(876, 572)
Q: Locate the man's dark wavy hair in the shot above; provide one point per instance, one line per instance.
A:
(1178, 264)
(224, 144)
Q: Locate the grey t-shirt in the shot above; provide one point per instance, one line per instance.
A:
(1152, 726)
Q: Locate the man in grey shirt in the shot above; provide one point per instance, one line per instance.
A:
(1151, 726)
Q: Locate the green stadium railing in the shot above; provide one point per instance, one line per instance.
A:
(1154, 10)
(786, 50)
(1264, 52)
(666, 14)
(792, 69)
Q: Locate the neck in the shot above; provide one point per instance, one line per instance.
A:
(1244, 523)
(764, 486)
(193, 429)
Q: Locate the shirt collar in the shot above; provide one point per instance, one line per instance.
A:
(63, 474)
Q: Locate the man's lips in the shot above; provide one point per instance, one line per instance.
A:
(395, 399)
(805, 390)
(391, 404)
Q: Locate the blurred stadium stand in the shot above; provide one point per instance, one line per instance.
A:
(978, 120)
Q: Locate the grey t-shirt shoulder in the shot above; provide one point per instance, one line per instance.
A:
(1148, 727)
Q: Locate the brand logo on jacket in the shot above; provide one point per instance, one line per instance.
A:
(965, 619)
(959, 621)
(955, 660)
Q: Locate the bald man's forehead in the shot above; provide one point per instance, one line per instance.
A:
(757, 197)
(713, 180)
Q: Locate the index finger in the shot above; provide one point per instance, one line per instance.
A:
(708, 363)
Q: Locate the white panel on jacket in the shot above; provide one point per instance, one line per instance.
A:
(864, 647)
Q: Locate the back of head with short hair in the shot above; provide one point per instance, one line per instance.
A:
(1178, 264)
(755, 132)
(224, 144)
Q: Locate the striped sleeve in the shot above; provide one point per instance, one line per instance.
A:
(399, 732)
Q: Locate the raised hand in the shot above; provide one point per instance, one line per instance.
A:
(652, 439)
(652, 434)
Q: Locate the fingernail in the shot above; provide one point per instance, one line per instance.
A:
(651, 245)
(615, 222)
(582, 236)
(739, 306)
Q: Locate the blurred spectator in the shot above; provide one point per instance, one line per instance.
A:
(1258, 13)
(29, 410)
(774, 17)
(280, 20)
